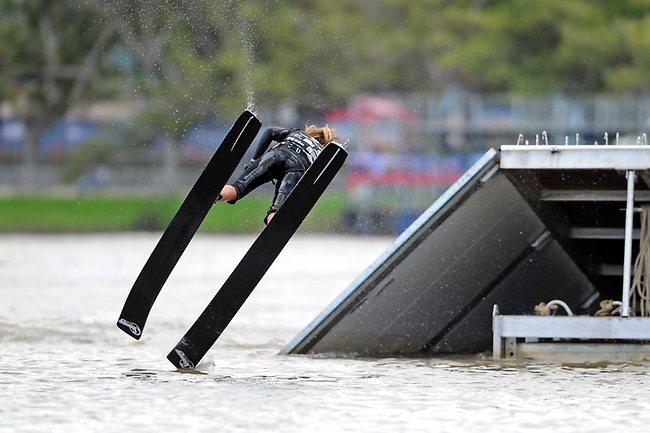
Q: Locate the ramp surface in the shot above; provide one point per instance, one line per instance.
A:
(537, 230)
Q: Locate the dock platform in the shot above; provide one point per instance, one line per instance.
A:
(524, 225)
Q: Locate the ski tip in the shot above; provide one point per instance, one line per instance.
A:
(248, 113)
(342, 146)
(130, 328)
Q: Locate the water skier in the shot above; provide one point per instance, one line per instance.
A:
(283, 163)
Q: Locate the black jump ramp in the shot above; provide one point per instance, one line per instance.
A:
(432, 291)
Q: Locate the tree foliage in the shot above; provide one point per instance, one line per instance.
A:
(49, 56)
(49, 52)
(190, 60)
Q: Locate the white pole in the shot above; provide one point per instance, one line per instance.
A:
(627, 257)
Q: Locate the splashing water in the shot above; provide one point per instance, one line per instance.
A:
(243, 30)
(238, 23)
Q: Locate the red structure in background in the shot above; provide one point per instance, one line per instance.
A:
(357, 178)
(370, 109)
(383, 130)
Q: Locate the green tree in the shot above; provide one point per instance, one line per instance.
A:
(49, 56)
(189, 67)
(543, 46)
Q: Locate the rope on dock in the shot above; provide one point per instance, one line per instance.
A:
(550, 308)
(609, 307)
(640, 291)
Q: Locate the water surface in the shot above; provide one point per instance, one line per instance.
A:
(65, 367)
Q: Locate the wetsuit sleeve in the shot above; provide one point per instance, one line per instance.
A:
(270, 135)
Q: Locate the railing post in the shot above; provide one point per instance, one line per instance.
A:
(627, 257)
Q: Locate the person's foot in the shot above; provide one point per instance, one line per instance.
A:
(269, 217)
(228, 193)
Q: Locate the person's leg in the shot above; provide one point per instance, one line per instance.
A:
(284, 187)
(258, 173)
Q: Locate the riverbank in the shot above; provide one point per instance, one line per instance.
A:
(34, 213)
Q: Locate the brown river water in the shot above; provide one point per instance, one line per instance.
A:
(65, 367)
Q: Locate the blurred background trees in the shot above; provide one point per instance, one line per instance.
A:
(317, 52)
(49, 56)
(327, 50)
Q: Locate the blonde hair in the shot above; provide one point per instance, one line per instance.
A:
(323, 134)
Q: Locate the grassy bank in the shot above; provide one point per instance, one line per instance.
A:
(90, 213)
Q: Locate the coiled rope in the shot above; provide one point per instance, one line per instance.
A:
(640, 290)
(608, 307)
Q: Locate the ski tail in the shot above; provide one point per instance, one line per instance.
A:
(185, 223)
(250, 270)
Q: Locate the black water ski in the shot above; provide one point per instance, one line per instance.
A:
(250, 270)
(185, 223)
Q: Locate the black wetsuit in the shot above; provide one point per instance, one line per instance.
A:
(283, 163)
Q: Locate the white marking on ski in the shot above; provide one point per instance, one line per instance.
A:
(328, 164)
(133, 328)
(184, 360)
(240, 134)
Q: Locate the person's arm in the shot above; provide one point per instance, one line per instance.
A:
(270, 135)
